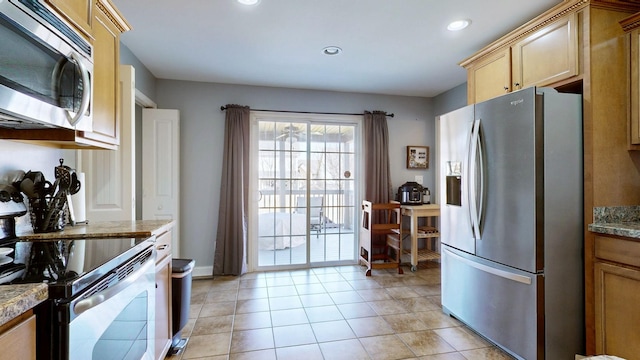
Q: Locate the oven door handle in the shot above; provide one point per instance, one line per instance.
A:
(97, 299)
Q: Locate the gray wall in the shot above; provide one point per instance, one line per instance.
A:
(202, 134)
(450, 100)
(145, 81)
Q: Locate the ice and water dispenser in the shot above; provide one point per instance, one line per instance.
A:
(454, 183)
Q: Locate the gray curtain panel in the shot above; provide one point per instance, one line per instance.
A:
(231, 239)
(376, 156)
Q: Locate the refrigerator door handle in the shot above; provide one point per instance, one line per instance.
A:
(475, 179)
(491, 270)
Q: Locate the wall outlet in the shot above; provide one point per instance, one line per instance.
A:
(419, 179)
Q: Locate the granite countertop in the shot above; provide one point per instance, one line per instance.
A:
(103, 229)
(616, 220)
(16, 299)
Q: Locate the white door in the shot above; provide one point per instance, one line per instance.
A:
(161, 168)
(110, 174)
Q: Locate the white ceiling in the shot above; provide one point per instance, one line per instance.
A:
(393, 47)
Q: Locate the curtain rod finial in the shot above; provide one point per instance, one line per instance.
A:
(223, 108)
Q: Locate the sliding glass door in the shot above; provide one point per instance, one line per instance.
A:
(306, 188)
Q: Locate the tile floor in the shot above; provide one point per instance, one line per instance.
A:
(327, 313)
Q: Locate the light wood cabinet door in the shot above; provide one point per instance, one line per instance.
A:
(163, 308)
(489, 77)
(19, 340)
(634, 125)
(617, 313)
(106, 63)
(77, 12)
(547, 56)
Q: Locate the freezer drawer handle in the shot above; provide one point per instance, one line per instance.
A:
(490, 270)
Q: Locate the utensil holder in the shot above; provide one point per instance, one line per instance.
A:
(47, 214)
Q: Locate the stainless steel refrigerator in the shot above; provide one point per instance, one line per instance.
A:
(511, 195)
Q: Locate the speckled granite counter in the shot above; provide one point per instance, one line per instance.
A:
(16, 299)
(104, 229)
(617, 220)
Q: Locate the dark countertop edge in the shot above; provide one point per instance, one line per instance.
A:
(106, 229)
(17, 299)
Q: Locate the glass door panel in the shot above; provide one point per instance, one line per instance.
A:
(306, 193)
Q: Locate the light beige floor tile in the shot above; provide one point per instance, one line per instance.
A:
(218, 309)
(417, 304)
(402, 292)
(436, 319)
(374, 294)
(386, 307)
(207, 345)
(268, 354)
(282, 291)
(289, 317)
(252, 283)
(331, 277)
(344, 350)
(346, 297)
(194, 310)
(283, 303)
(407, 322)
(337, 286)
(461, 338)
(315, 288)
(447, 356)
(306, 352)
(279, 281)
(323, 313)
(364, 284)
(332, 331)
(221, 296)
(427, 290)
(251, 340)
(370, 326)
(312, 300)
(305, 279)
(486, 354)
(293, 335)
(253, 293)
(357, 310)
(213, 325)
(253, 305)
(386, 347)
(254, 320)
(425, 343)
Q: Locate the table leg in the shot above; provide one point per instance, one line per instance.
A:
(414, 242)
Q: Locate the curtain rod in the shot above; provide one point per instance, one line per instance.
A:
(223, 108)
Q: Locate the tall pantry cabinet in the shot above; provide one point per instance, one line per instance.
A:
(577, 46)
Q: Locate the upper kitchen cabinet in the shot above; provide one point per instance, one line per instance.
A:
(540, 53)
(108, 24)
(77, 12)
(489, 76)
(632, 26)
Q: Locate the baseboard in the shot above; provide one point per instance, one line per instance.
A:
(202, 271)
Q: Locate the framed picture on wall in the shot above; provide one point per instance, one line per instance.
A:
(417, 157)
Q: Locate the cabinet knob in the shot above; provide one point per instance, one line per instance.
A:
(516, 84)
(506, 88)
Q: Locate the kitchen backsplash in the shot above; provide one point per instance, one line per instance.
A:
(21, 156)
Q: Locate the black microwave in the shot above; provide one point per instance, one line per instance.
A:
(46, 69)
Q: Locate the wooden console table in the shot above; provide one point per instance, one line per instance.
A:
(414, 212)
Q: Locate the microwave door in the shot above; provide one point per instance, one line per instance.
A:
(455, 131)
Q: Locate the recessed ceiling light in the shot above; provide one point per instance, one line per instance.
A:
(331, 50)
(249, 2)
(458, 25)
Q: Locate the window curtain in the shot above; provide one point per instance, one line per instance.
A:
(376, 156)
(231, 239)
